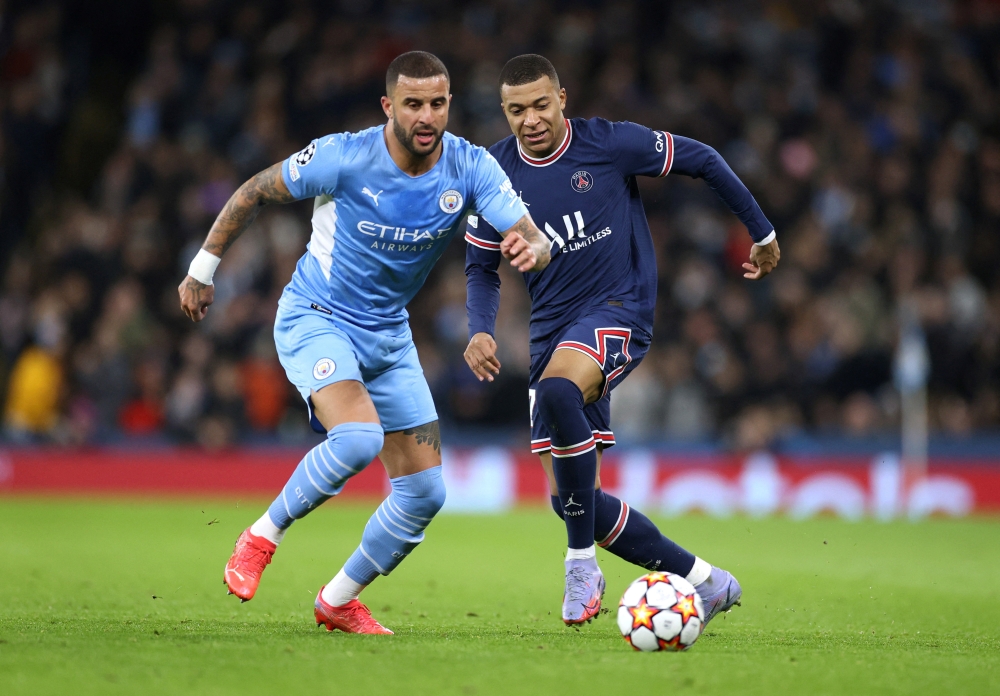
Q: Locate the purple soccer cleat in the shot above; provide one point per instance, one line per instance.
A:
(721, 592)
(584, 590)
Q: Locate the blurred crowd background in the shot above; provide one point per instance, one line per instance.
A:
(868, 131)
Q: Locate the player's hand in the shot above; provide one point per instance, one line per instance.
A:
(763, 260)
(195, 298)
(521, 254)
(481, 356)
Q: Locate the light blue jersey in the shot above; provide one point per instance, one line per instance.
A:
(376, 234)
(378, 231)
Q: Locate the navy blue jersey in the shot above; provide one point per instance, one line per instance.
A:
(584, 196)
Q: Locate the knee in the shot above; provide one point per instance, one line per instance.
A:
(422, 494)
(556, 394)
(357, 442)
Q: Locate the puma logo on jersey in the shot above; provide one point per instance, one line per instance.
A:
(374, 196)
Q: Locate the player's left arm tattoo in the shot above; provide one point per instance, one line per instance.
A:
(427, 434)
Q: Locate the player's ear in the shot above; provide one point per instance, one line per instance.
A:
(387, 106)
(562, 98)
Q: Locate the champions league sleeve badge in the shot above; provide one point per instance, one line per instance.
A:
(305, 156)
(450, 201)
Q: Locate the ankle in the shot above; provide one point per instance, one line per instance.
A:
(581, 554)
(265, 528)
(700, 572)
(341, 590)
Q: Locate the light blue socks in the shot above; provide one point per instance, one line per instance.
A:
(397, 525)
(322, 473)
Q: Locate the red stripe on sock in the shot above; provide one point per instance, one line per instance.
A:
(619, 526)
(573, 449)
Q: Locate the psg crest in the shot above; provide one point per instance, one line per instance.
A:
(582, 182)
(450, 201)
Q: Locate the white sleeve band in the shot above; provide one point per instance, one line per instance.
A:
(203, 267)
(767, 240)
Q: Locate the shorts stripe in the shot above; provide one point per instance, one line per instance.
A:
(582, 348)
(601, 437)
(539, 446)
(600, 355)
(604, 435)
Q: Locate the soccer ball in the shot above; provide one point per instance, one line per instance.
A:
(661, 611)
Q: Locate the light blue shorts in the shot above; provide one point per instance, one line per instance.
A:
(317, 349)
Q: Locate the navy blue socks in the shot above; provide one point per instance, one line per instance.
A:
(630, 535)
(574, 456)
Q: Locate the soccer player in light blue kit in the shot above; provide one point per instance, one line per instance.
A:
(387, 201)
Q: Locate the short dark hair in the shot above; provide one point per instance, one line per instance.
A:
(415, 64)
(525, 69)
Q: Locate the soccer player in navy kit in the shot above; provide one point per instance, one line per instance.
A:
(592, 309)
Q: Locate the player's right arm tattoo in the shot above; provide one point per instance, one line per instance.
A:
(538, 241)
(265, 187)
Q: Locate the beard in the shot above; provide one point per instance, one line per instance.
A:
(408, 141)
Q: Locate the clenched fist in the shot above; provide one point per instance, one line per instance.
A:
(763, 260)
(195, 298)
(520, 253)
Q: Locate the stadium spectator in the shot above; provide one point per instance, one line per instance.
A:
(869, 132)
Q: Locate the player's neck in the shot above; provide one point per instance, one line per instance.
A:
(413, 165)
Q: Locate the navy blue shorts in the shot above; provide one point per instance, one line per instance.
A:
(614, 338)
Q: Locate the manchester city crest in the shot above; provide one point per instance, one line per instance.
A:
(323, 368)
(582, 181)
(450, 201)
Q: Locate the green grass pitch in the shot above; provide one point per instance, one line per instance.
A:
(829, 607)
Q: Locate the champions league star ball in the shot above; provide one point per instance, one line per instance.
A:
(661, 611)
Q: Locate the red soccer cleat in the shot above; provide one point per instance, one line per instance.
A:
(246, 564)
(353, 617)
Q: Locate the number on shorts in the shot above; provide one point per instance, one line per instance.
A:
(531, 407)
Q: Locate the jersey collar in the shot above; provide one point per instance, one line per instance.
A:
(545, 161)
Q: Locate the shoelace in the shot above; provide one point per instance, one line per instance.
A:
(579, 584)
(257, 559)
(360, 614)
